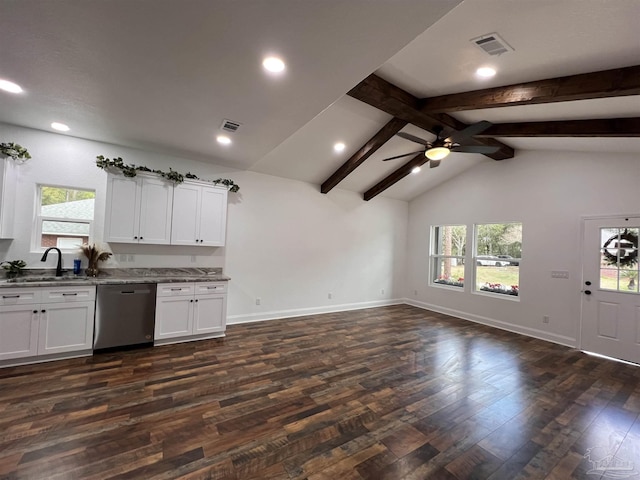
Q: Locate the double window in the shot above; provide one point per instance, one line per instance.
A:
(64, 217)
(495, 260)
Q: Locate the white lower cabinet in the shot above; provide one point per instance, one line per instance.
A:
(190, 311)
(46, 322)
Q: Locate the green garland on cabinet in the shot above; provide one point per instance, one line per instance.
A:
(176, 177)
(15, 151)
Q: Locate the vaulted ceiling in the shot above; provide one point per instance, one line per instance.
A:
(431, 114)
(163, 74)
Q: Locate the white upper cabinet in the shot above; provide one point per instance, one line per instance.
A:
(7, 196)
(199, 215)
(138, 210)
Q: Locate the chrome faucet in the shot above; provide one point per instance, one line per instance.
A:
(59, 265)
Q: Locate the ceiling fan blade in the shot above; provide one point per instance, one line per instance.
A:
(434, 163)
(475, 149)
(408, 136)
(403, 155)
(470, 131)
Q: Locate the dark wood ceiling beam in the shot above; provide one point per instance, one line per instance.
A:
(391, 99)
(618, 82)
(603, 127)
(374, 143)
(396, 176)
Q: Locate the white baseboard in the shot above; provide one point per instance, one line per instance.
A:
(528, 331)
(298, 312)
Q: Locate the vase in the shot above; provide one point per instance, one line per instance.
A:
(91, 271)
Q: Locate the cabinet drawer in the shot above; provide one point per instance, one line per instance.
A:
(15, 296)
(69, 294)
(208, 287)
(171, 289)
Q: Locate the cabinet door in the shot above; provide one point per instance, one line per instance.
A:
(155, 211)
(18, 331)
(122, 216)
(66, 327)
(186, 215)
(213, 216)
(210, 314)
(7, 197)
(174, 317)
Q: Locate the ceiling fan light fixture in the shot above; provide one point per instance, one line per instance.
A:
(415, 170)
(437, 153)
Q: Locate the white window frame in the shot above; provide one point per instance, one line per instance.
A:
(475, 256)
(435, 257)
(36, 240)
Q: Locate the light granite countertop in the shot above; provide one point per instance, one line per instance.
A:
(114, 276)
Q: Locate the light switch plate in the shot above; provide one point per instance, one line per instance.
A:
(559, 274)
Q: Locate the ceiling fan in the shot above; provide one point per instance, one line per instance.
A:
(438, 149)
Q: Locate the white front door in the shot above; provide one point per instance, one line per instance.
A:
(611, 298)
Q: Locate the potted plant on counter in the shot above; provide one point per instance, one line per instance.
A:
(94, 255)
(13, 267)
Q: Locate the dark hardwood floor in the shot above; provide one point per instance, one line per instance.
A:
(383, 393)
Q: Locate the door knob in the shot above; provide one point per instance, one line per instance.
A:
(587, 282)
(587, 292)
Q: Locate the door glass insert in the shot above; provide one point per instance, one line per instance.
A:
(619, 259)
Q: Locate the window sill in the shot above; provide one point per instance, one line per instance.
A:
(504, 296)
(445, 286)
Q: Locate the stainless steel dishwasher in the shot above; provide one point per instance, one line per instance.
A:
(125, 315)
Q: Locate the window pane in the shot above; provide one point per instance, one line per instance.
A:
(619, 259)
(450, 240)
(73, 207)
(448, 271)
(66, 203)
(52, 231)
(497, 258)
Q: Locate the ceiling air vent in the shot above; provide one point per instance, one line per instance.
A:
(492, 44)
(230, 126)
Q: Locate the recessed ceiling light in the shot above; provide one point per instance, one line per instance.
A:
(60, 126)
(339, 147)
(486, 72)
(273, 64)
(10, 87)
(415, 169)
(223, 139)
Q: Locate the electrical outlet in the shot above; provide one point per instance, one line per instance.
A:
(193, 259)
(258, 300)
(415, 292)
(330, 295)
(131, 258)
(122, 257)
(382, 291)
(545, 319)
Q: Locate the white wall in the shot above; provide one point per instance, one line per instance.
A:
(291, 246)
(286, 243)
(548, 192)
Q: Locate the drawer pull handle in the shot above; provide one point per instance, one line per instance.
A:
(176, 289)
(69, 294)
(10, 296)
